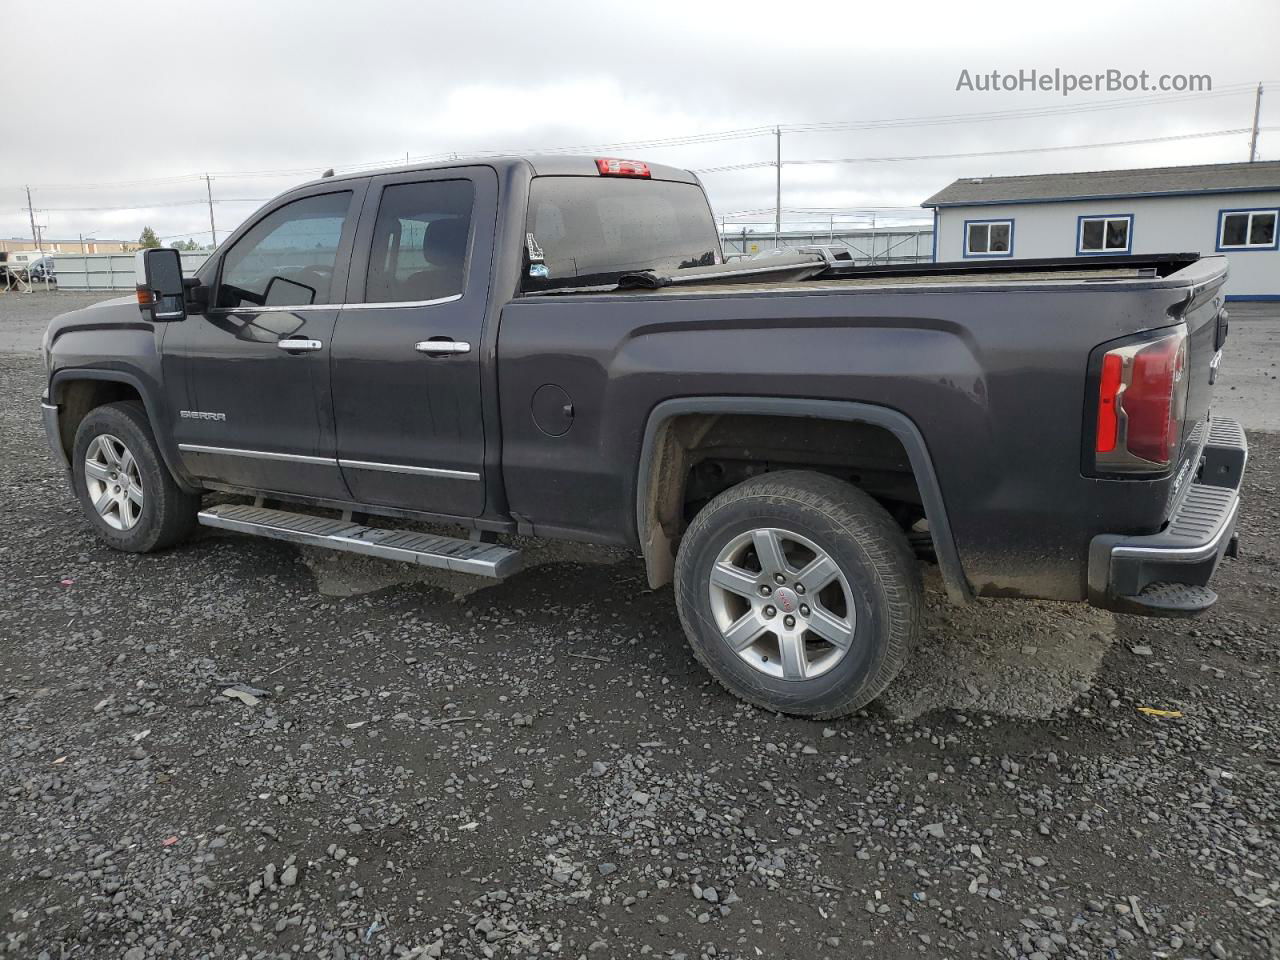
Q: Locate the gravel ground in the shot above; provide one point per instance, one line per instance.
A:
(413, 766)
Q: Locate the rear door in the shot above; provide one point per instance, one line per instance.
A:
(406, 352)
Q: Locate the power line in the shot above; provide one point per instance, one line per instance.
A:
(1023, 113)
(825, 211)
(157, 204)
(982, 153)
(770, 163)
(847, 125)
(834, 126)
(716, 136)
(186, 233)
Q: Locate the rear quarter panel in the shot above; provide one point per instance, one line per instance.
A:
(993, 379)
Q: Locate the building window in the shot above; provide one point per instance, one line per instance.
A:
(1247, 229)
(988, 238)
(1104, 234)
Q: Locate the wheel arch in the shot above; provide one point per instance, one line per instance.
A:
(660, 465)
(77, 391)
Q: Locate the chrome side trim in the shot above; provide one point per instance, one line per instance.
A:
(403, 468)
(298, 308)
(256, 454)
(329, 461)
(401, 303)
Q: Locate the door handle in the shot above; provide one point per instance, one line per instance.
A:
(442, 346)
(298, 345)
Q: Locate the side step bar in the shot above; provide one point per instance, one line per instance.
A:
(424, 549)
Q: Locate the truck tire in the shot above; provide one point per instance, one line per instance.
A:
(799, 593)
(124, 487)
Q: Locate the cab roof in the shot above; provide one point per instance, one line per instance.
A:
(547, 165)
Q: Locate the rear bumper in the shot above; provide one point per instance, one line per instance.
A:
(49, 413)
(1168, 573)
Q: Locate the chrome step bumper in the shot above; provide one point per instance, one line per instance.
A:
(1142, 574)
(424, 549)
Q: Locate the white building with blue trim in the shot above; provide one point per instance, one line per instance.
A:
(1228, 208)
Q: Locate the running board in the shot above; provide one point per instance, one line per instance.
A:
(424, 549)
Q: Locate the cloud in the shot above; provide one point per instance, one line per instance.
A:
(148, 90)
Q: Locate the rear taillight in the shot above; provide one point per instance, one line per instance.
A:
(610, 167)
(1142, 397)
(1108, 395)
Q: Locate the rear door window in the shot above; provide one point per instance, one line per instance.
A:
(420, 242)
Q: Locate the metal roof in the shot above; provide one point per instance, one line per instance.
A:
(1109, 184)
(44, 239)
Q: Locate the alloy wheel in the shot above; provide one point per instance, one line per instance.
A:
(113, 481)
(782, 604)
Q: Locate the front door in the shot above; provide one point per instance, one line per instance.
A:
(250, 379)
(407, 349)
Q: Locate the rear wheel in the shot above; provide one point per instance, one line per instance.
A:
(799, 593)
(124, 488)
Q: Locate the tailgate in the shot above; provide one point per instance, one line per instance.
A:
(1206, 321)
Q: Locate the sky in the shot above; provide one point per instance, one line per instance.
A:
(136, 101)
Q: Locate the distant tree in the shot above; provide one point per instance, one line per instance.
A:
(148, 238)
(185, 245)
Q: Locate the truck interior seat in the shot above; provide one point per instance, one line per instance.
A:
(444, 248)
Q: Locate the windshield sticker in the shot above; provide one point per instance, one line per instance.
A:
(539, 271)
(535, 251)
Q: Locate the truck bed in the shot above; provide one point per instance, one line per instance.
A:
(994, 376)
(990, 281)
(811, 272)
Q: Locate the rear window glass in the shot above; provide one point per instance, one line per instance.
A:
(592, 225)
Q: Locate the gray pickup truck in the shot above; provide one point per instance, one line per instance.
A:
(557, 347)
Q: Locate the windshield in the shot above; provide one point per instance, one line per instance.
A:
(601, 225)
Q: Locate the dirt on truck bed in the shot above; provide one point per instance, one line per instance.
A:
(237, 748)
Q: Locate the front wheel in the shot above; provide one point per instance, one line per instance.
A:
(799, 593)
(125, 490)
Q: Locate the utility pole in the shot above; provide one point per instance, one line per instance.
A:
(777, 213)
(1257, 110)
(208, 189)
(35, 233)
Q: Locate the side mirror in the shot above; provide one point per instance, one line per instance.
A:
(160, 288)
(283, 292)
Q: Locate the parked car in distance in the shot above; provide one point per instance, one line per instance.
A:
(40, 269)
(555, 347)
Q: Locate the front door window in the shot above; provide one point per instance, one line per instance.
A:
(287, 258)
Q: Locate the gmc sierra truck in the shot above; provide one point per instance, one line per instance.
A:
(558, 347)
